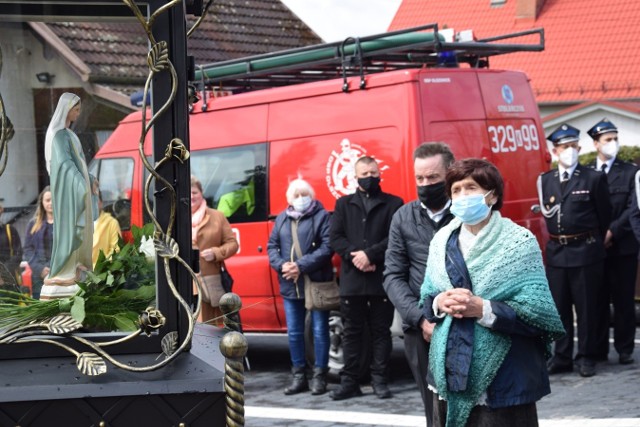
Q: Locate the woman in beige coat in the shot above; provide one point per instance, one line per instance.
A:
(211, 234)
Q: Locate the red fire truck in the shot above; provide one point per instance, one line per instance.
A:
(310, 112)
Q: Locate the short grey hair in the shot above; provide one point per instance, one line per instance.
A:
(302, 185)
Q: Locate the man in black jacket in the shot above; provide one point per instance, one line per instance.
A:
(359, 235)
(621, 263)
(575, 202)
(412, 229)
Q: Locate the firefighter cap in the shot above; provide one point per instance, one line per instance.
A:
(564, 135)
(603, 126)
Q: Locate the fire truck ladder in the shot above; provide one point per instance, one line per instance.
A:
(411, 48)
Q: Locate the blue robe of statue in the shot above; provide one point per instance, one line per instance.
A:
(75, 208)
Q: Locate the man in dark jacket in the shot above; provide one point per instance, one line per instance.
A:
(359, 235)
(621, 263)
(412, 229)
(575, 203)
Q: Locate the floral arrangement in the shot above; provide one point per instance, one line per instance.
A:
(118, 295)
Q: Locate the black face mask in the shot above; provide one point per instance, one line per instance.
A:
(433, 196)
(370, 184)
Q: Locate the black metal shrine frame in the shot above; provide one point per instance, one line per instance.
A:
(170, 26)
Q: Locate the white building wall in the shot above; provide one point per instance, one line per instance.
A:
(18, 183)
(628, 124)
(23, 56)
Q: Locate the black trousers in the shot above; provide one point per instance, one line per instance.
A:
(578, 287)
(619, 289)
(417, 351)
(357, 311)
(482, 416)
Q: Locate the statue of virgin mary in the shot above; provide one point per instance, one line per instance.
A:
(74, 202)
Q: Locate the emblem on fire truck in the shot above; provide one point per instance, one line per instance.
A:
(341, 176)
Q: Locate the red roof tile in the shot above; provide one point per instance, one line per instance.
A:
(592, 48)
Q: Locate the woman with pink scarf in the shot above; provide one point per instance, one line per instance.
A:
(211, 234)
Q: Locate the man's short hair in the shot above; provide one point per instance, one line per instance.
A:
(367, 160)
(430, 149)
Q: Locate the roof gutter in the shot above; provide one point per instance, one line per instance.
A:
(92, 85)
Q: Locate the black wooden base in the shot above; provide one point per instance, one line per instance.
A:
(52, 392)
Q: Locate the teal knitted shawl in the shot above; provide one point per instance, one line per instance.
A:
(505, 264)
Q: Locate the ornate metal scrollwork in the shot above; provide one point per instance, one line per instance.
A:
(6, 130)
(47, 330)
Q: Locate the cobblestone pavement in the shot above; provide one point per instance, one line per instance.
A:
(609, 399)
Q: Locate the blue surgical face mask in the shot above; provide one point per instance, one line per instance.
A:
(471, 209)
(301, 204)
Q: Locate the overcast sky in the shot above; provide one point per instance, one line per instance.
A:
(335, 20)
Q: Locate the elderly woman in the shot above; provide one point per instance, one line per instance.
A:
(211, 234)
(485, 289)
(306, 221)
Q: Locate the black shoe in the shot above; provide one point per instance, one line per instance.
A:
(625, 359)
(381, 390)
(557, 368)
(587, 370)
(298, 382)
(346, 392)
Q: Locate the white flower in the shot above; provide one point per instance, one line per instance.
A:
(147, 248)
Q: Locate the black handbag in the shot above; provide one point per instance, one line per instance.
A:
(225, 278)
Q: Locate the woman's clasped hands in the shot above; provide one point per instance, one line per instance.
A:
(290, 271)
(459, 303)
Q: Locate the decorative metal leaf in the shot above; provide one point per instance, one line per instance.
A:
(170, 343)
(91, 364)
(63, 324)
(158, 57)
(168, 249)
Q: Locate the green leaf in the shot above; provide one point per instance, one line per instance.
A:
(124, 323)
(109, 280)
(148, 229)
(77, 309)
(116, 265)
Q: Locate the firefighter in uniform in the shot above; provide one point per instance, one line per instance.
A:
(621, 263)
(575, 203)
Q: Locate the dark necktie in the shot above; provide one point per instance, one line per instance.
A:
(565, 179)
(603, 168)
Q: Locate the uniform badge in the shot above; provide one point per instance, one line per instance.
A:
(552, 199)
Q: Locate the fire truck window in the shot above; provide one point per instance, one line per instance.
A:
(116, 179)
(146, 218)
(234, 180)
